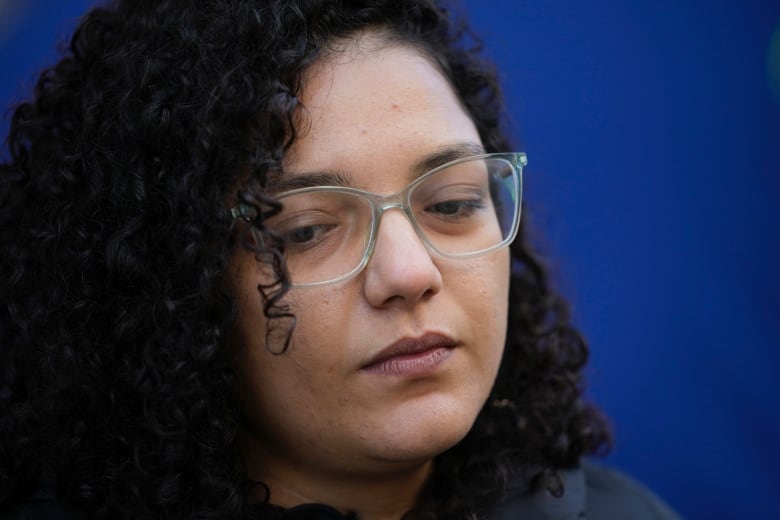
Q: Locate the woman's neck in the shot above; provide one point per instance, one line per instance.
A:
(385, 496)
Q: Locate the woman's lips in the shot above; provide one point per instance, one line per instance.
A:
(412, 356)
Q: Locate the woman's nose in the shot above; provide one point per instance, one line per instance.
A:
(401, 270)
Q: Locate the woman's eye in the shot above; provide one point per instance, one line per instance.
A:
(306, 236)
(455, 208)
(301, 235)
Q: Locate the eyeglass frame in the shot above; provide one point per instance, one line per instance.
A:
(401, 200)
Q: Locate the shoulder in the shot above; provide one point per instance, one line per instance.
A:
(42, 505)
(590, 492)
(612, 495)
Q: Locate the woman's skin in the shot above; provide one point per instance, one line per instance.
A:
(321, 424)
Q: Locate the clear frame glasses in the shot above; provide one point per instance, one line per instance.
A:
(461, 209)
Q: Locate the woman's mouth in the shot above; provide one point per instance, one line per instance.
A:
(412, 356)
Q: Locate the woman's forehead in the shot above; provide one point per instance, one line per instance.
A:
(365, 108)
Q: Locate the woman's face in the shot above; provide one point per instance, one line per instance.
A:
(326, 406)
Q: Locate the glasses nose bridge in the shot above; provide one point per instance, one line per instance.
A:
(381, 204)
(384, 203)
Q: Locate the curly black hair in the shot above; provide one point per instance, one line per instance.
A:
(115, 388)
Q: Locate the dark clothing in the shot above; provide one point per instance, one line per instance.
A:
(593, 493)
(42, 505)
(589, 493)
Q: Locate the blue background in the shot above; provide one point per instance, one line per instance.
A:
(653, 135)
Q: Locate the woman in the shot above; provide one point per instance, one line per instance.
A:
(257, 264)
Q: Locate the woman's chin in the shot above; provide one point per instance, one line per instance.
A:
(422, 437)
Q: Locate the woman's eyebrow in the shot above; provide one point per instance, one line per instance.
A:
(443, 155)
(313, 179)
